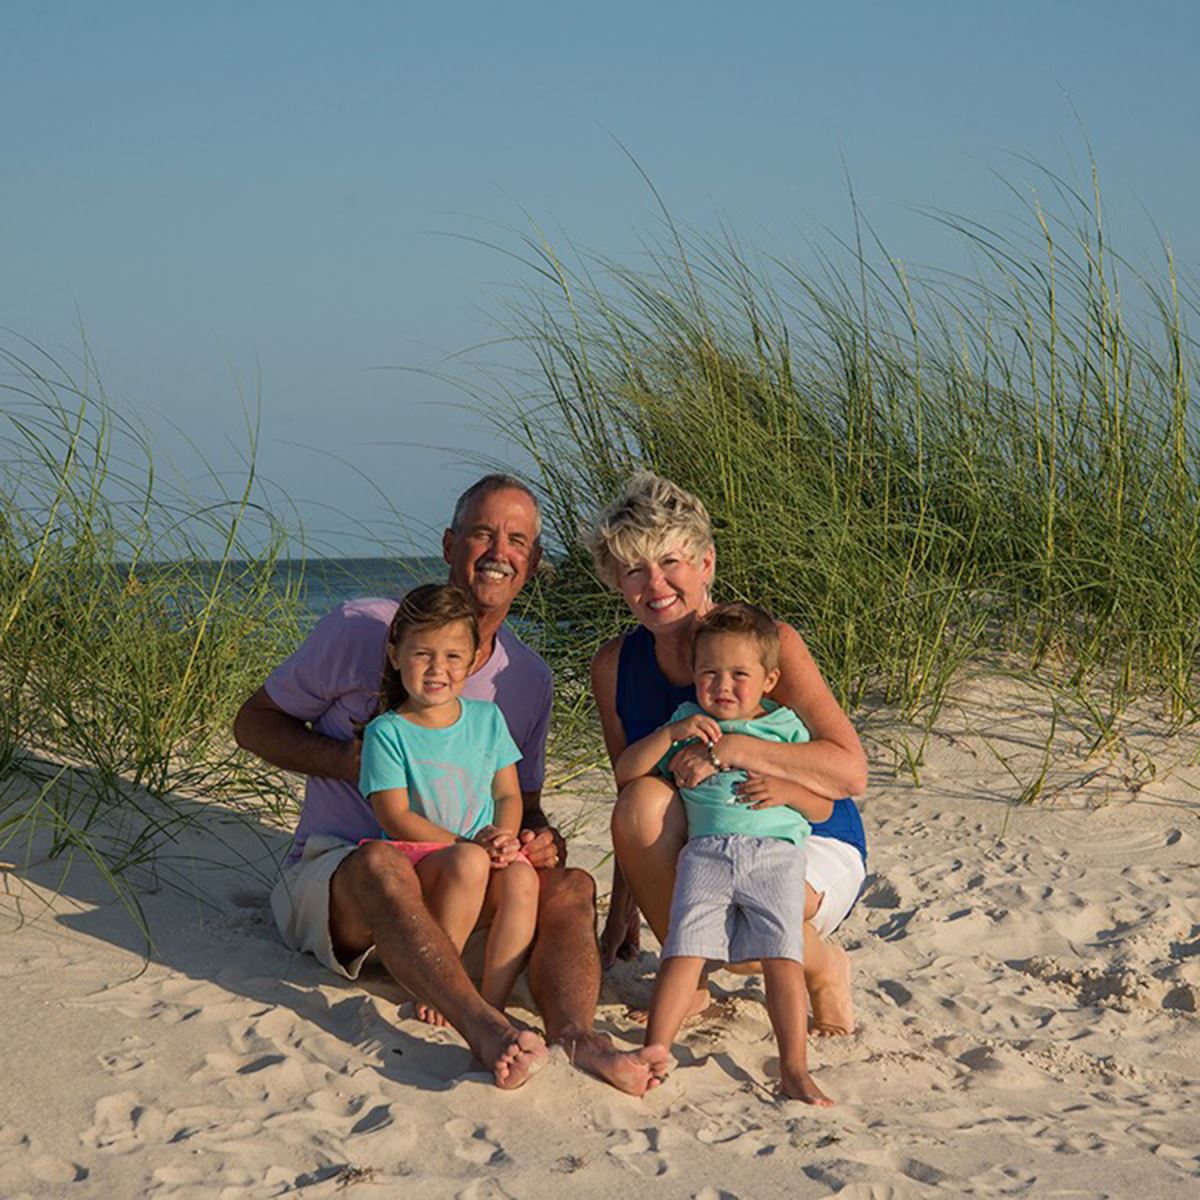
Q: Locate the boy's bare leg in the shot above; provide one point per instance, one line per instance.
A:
(512, 903)
(827, 975)
(678, 979)
(453, 882)
(649, 828)
(564, 981)
(787, 1006)
(375, 899)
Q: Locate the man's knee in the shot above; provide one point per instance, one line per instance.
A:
(570, 889)
(375, 870)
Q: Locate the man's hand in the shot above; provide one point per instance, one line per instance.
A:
(692, 766)
(502, 846)
(544, 847)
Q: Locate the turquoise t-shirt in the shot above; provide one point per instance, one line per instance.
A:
(713, 807)
(448, 772)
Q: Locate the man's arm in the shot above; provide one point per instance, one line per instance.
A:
(263, 728)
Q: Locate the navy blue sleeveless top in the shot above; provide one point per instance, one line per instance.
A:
(646, 698)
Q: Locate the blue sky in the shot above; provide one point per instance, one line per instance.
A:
(248, 203)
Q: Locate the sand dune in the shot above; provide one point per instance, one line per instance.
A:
(1026, 979)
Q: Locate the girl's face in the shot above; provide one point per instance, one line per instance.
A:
(433, 664)
(730, 677)
(670, 587)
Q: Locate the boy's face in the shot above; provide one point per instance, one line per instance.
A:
(730, 676)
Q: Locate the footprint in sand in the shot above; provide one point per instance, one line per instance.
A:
(122, 1124)
(128, 1057)
(474, 1143)
(639, 1149)
(484, 1189)
(49, 1169)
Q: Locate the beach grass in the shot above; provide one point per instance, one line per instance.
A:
(134, 618)
(921, 471)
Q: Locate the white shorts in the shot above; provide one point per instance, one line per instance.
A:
(300, 902)
(836, 872)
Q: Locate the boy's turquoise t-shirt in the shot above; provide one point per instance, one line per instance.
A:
(448, 772)
(713, 807)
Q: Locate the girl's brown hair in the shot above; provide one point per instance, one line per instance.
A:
(430, 606)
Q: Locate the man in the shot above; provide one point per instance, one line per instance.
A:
(338, 900)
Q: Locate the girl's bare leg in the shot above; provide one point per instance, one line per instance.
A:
(678, 979)
(453, 882)
(787, 1006)
(511, 905)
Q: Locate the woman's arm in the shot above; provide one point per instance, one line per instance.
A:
(832, 763)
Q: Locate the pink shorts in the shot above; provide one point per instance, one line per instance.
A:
(415, 851)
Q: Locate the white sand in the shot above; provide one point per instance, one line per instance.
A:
(1026, 981)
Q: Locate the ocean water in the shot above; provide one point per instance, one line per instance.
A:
(326, 582)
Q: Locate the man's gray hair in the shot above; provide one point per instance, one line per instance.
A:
(485, 487)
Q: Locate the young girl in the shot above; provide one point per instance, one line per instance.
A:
(441, 778)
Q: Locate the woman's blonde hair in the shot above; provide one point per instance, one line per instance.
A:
(648, 515)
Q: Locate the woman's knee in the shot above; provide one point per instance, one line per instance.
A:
(643, 811)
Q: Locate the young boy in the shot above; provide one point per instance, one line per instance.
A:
(739, 888)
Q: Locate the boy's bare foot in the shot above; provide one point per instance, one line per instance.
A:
(832, 1003)
(632, 1071)
(797, 1084)
(512, 1057)
(620, 938)
(701, 1002)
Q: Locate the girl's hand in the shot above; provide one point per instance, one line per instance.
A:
(698, 725)
(502, 846)
(691, 766)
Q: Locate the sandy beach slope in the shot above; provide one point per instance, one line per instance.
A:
(1026, 979)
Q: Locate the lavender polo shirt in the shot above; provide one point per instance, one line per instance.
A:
(332, 681)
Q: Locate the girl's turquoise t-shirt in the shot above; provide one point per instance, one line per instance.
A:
(712, 806)
(448, 772)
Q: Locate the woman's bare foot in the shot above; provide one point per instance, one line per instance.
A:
(512, 1057)
(797, 1084)
(700, 1004)
(621, 937)
(632, 1071)
(832, 1003)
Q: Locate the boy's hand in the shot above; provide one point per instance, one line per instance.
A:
(760, 791)
(502, 846)
(698, 725)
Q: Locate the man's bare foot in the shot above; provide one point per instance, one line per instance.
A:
(621, 938)
(797, 1084)
(512, 1057)
(632, 1071)
(832, 1003)
(700, 1005)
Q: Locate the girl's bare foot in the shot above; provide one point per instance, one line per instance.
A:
(797, 1084)
(430, 1015)
(632, 1071)
(832, 1004)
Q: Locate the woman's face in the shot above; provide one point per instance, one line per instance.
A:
(668, 588)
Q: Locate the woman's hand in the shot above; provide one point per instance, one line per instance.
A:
(692, 765)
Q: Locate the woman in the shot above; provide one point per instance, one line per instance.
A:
(654, 545)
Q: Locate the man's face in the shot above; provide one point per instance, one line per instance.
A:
(494, 551)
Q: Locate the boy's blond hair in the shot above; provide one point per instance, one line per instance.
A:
(744, 620)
